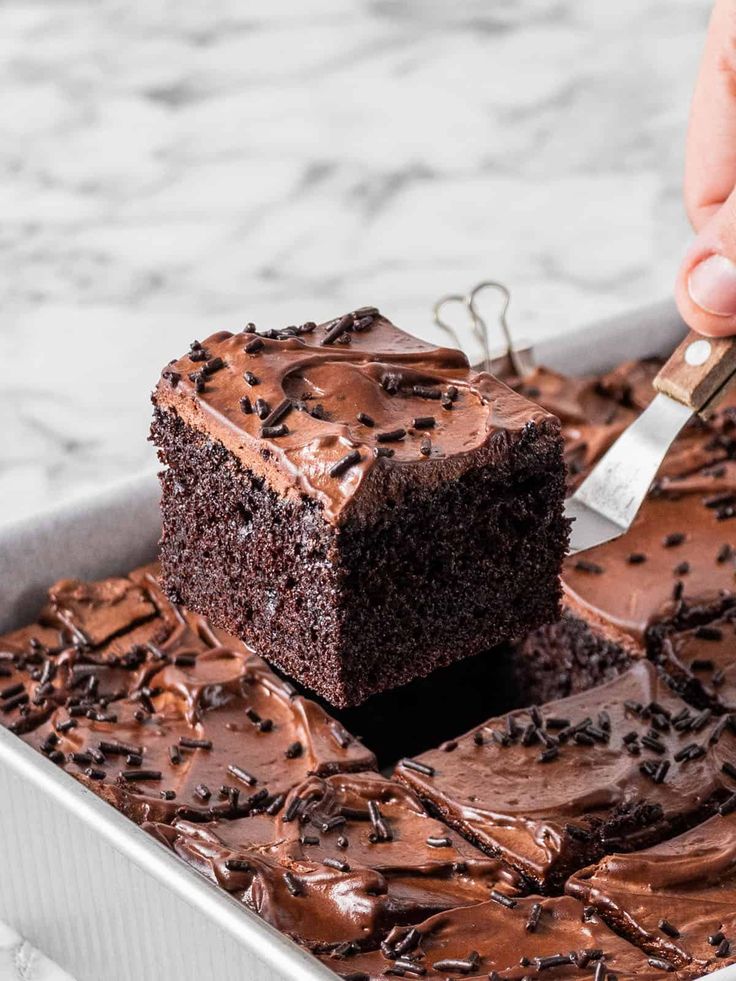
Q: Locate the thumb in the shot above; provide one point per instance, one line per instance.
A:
(706, 282)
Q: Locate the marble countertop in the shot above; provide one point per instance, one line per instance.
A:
(19, 961)
(173, 169)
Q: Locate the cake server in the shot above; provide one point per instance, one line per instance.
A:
(607, 501)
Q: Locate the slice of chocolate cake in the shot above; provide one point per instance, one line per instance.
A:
(144, 704)
(531, 939)
(672, 571)
(619, 767)
(345, 860)
(677, 901)
(360, 506)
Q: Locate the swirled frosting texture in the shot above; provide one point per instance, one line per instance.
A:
(680, 547)
(676, 900)
(342, 422)
(494, 941)
(553, 789)
(158, 712)
(345, 860)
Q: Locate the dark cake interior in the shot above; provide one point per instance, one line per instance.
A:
(581, 828)
(361, 514)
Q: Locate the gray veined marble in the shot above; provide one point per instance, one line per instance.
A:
(169, 169)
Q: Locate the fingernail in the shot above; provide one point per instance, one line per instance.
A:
(712, 286)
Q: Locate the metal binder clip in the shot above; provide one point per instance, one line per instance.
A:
(519, 361)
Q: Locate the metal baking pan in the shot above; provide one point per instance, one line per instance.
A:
(80, 881)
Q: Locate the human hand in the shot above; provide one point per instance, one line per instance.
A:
(706, 282)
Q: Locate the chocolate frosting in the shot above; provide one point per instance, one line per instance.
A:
(472, 942)
(702, 664)
(676, 900)
(680, 532)
(328, 874)
(554, 788)
(158, 712)
(334, 408)
(594, 409)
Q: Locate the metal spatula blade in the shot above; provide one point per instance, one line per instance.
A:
(608, 500)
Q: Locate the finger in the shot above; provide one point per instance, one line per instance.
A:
(710, 167)
(706, 282)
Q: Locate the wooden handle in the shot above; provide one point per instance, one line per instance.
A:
(698, 370)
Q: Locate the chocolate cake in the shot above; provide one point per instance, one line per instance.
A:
(145, 704)
(677, 901)
(590, 837)
(671, 572)
(344, 861)
(619, 767)
(360, 506)
(531, 939)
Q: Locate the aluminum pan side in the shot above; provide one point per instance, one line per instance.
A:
(109, 903)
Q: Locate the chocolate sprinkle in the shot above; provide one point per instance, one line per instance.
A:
(661, 964)
(666, 927)
(276, 804)
(337, 329)
(502, 899)
(292, 885)
(673, 539)
(237, 865)
(729, 769)
(585, 565)
(292, 809)
(186, 743)
(280, 412)
(392, 436)
(534, 916)
(344, 463)
(427, 771)
(457, 965)
(241, 774)
(273, 432)
(133, 776)
(336, 863)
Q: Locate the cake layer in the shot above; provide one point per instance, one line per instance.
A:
(677, 900)
(551, 789)
(344, 861)
(569, 656)
(408, 414)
